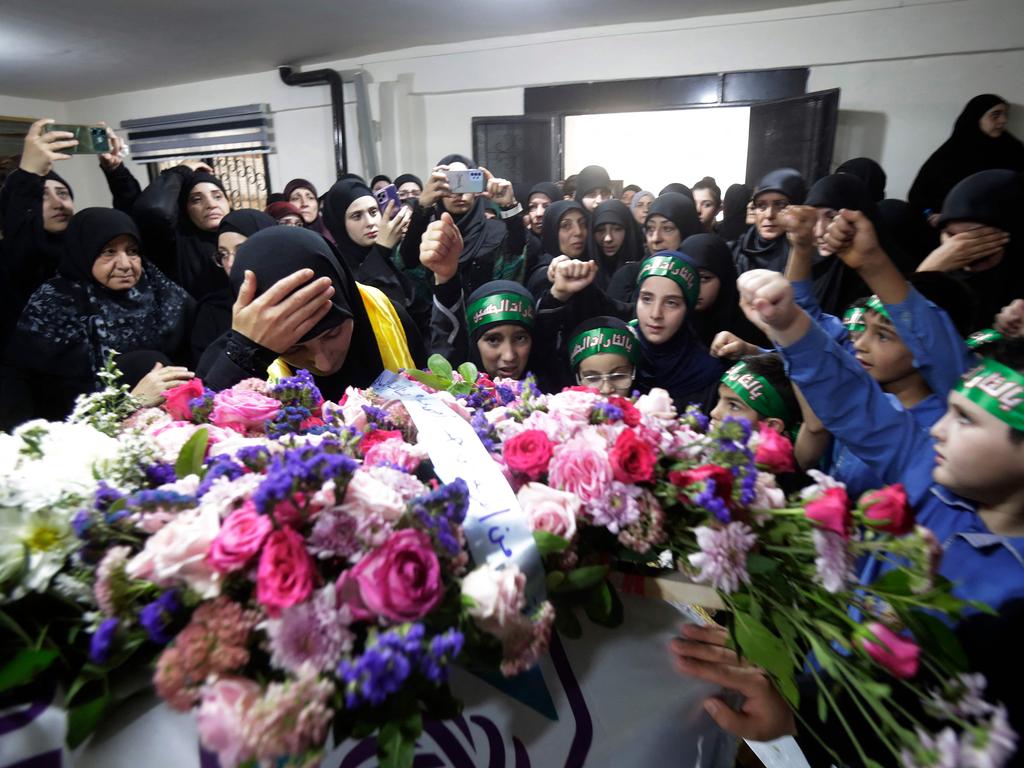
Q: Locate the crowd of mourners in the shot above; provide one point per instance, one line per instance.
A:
(881, 335)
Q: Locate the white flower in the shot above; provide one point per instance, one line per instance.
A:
(833, 563)
(723, 557)
(993, 747)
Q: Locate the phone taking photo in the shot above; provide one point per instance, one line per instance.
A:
(92, 139)
(465, 182)
(386, 194)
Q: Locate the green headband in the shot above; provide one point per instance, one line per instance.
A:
(499, 308)
(874, 303)
(676, 269)
(997, 389)
(598, 341)
(985, 336)
(853, 319)
(757, 392)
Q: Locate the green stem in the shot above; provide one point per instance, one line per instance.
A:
(839, 714)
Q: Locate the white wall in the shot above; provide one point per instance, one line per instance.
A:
(905, 69)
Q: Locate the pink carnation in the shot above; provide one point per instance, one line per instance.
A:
(177, 553)
(722, 561)
(240, 538)
(222, 716)
(396, 452)
(243, 410)
(575, 404)
(580, 468)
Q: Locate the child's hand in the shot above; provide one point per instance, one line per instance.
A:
(767, 299)
(852, 236)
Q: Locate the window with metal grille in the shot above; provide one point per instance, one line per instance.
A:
(246, 178)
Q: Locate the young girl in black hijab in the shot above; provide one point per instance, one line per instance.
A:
(615, 240)
(301, 307)
(979, 142)
(178, 215)
(105, 298)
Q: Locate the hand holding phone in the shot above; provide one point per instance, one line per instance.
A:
(470, 181)
(387, 194)
(43, 148)
(92, 139)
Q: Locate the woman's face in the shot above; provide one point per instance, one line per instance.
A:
(58, 206)
(707, 207)
(325, 354)
(538, 203)
(227, 245)
(984, 263)
(608, 373)
(610, 237)
(505, 350)
(207, 205)
(767, 207)
(409, 189)
(362, 220)
(660, 309)
(290, 220)
(710, 284)
(119, 264)
(662, 234)
(572, 233)
(641, 208)
(993, 122)
(306, 202)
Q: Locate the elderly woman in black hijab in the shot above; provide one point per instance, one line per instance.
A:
(303, 195)
(179, 215)
(297, 305)
(565, 231)
(980, 142)
(493, 248)
(764, 245)
(106, 298)
(213, 314)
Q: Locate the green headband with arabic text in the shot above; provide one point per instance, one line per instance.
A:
(678, 269)
(757, 392)
(499, 308)
(598, 341)
(996, 388)
(853, 319)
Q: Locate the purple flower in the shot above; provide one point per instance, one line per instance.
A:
(442, 512)
(696, 418)
(105, 496)
(942, 751)
(151, 499)
(314, 632)
(722, 561)
(990, 744)
(81, 523)
(255, 457)
(619, 508)
(158, 617)
(102, 640)
(384, 666)
(159, 474)
(833, 563)
(712, 502)
(299, 390)
(604, 413)
(440, 652)
(306, 468)
(220, 466)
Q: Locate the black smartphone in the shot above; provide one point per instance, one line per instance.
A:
(92, 139)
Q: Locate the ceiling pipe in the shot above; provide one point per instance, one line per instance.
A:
(330, 78)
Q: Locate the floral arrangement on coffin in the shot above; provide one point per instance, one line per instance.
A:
(310, 544)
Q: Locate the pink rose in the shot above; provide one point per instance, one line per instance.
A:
(396, 452)
(574, 403)
(240, 538)
(774, 451)
(887, 510)
(896, 654)
(550, 510)
(632, 459)
(580, 468)
(528, 453)
(243, 410)
(657, 403)
(370, 439)
(498, 598)
(176, 399)
(351, 406)
(178, 553)
(399, 581)
(170, 438)
(285, 574)
(222, 716)
(831, 511)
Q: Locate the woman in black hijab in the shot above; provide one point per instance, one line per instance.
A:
(178, 215)
(615, 240)
(869, 172)
(979, 142)
(671, 219)
(718, 307)
(677, 188)
(105, 298)
(538, 199)
(734, 213)
(564, 233)
(366, 240)
(303, 195)
(213, 314)
(358, 335)
(593, 187)
(764, 244)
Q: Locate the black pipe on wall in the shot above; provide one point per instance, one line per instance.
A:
(330, 78)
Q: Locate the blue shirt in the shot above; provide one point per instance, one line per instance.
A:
(984, 566)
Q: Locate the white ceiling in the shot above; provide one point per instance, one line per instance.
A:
(72, 49)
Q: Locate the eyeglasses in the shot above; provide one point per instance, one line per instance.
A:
(617, 380)
(775, 205)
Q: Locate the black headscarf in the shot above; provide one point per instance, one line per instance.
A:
(614, 212)
(993, 198)
(275, 253)
(679, 209)
(246, 221)
(967, 151)
(678, 188)
(405, 178)
(552, 219)
(734, 212)
(534, 246)
(752, 251)
(590, 178)
(336, 203)
(547, 188)
(198, 273)
(380, 177)
(913, 236)
(72, 321)
(317, 224)
(681, 365)
(868, 171)
(711, 252)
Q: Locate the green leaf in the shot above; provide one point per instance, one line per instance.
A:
(394, 748)
(567, 623)
(824, 656)
(26, 664)
(437, 364)
(583, 578)
(599, 604)
(190, 459)
(766, 649)
(432, 380)
(933, 634)
(822, 707)
(549, 543)
(759, 564)
(83, 719)
(554, 580)
(894, 582)
(469, 372)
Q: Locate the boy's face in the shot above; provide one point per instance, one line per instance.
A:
(730, 404)
(974, 456)
(881, 352)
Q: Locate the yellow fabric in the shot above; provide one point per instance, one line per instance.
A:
(387, 330)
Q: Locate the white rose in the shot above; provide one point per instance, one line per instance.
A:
(498, 597)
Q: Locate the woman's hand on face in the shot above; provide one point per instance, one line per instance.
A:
(150, 389)
(196, 165)
(966, 250)
(285, 313)
(1010, 320)
(393, 225)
